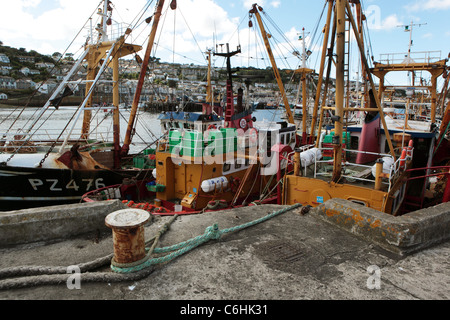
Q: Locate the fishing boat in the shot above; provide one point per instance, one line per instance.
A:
(220, 158)
(39, 169)
(386, 163)
(205, 162)
(337, 162)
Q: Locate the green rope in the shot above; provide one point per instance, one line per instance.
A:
(211, 232)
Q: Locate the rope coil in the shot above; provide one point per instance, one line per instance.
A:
(42, 275)
(211, 233)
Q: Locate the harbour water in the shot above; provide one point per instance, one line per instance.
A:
(65, 120)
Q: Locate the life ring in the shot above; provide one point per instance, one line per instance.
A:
(243, 123)
(402, 162)
(410, 148)
(211, 126)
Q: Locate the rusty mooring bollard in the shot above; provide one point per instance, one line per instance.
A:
(128, 234)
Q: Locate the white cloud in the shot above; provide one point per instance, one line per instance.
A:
(248, 3)
(430, 5)
(198, 23)
(275, 4)
(190, 30)
(33, 25)
(30, 3)
(388, 23)
(261, 3)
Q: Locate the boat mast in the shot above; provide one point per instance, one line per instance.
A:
(409, 28)
(209, 93)
(340, 87)
(343, 11)
(254, 11)
(93, 60)
(377, 95)
(104, 14)
(360, 17)
(304, 71)
(128, 136)
(321, 71)
(229, 112)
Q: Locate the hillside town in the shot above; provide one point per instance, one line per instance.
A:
(23, 73)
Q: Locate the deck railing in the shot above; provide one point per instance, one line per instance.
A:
(417, 57)
(395, 169)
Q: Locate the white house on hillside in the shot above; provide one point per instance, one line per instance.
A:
(46, 87)
(4, 58)
(7, 83)
(25, 84)
(26, 71)
(44, 65)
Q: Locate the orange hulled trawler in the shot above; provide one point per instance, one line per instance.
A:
(204, 162)
(384, 162)
(208, 162)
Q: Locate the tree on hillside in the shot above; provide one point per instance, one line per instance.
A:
(56, 55)
(69, 56)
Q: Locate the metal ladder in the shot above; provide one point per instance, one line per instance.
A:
(347, 63)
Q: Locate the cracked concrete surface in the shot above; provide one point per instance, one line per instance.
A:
(289, 257)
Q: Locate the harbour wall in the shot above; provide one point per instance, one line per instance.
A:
(401, 235)
(54, 222)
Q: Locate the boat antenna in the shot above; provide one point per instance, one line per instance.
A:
(408, 59)
(409, 28)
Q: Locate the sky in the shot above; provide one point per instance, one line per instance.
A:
(184, 35)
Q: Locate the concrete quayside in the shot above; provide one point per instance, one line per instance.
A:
(339, 250)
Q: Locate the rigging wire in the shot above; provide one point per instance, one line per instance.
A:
(280, 47)
(174, 33)
(316, 28)
(318, 56)
(69, 46)
(137, 23)
(193, 36)
(367, 33)
(51, 72)
(269, 19)
(30, 135)
(157, 43)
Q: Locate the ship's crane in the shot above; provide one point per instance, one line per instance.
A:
(255, 11)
